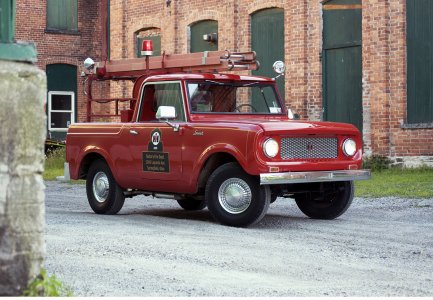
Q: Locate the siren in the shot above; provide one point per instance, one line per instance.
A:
(147, 48)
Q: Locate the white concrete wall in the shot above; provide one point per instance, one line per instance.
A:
(22, 135)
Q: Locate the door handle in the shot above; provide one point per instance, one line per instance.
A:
(133, 132)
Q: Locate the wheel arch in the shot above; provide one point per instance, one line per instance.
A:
(211, 163)
(88, 159)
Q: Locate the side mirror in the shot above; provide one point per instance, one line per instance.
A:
(166, 113)
(279, 68)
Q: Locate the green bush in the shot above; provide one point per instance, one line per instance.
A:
(46, 286)
(376, 163)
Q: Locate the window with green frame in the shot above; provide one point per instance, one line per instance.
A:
(419, 61)
(62, 15)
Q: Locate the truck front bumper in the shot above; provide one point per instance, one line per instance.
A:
(316, 176)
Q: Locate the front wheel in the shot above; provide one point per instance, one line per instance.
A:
(235, 198)
(329, 204)
(103, 193)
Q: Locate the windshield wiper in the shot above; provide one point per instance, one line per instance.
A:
(237, 85)
(251, 83)
(215, 82)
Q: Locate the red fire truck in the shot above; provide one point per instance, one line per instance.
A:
(207, 138)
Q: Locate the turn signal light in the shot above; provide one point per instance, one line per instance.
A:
(274, 169)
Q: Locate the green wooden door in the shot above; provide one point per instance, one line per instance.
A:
(342, 61)
(267, 39)
(62, 99)
(419, 61)
(197, 43)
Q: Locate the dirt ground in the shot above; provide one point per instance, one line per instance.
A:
(379, 247)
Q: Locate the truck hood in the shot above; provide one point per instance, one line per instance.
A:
(296, 127)
(304, 127)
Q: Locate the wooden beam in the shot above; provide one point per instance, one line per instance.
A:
(341, 6)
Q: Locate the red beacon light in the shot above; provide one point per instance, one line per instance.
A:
(147, 48)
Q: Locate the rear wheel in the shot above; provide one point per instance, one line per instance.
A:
(235, 198)
(191, 204)
(330, 204)
(103, 193)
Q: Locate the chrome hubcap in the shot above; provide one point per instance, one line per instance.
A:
(101, 187)
(234, 195)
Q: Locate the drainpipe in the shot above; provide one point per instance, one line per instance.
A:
(105, 29)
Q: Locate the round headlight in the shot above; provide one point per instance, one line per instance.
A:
(349, 147)
(270, 148)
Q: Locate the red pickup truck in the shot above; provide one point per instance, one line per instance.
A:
(221, 141)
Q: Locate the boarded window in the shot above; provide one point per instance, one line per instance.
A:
(62, 15)
(419, 61)
(204, 36)
(153, 34)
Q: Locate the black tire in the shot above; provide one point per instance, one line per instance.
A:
(236, 210)
(191, 204)
(103, 199)
(336, 200)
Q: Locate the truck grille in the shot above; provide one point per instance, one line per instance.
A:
(309, 148)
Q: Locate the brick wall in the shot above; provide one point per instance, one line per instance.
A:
(384, 56)
(384, 81)
(383, 61)
(62, 48)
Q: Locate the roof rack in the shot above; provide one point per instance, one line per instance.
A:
(131, 69)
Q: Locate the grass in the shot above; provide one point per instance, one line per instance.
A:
(54, 164)
(407, 183)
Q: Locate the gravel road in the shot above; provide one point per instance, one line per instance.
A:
(379, 247)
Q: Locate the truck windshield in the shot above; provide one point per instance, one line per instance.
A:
(235, 98)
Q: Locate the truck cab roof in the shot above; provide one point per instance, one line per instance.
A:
(207, 76)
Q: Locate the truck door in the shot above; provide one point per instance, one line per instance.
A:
(155, 148)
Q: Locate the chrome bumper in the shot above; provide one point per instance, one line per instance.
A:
(317, 176)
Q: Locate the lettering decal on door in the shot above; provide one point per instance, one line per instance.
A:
(154, 159)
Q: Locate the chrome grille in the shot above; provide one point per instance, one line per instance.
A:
(309, 148)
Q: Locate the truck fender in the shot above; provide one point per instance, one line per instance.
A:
(93, 150)
(214, 149)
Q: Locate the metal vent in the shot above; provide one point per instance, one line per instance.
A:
(309, 148)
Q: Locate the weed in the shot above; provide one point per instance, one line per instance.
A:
(376, 163)
(54, 163)
(46, 286)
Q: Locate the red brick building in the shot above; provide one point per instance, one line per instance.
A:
(366, 62)
(65, 33)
